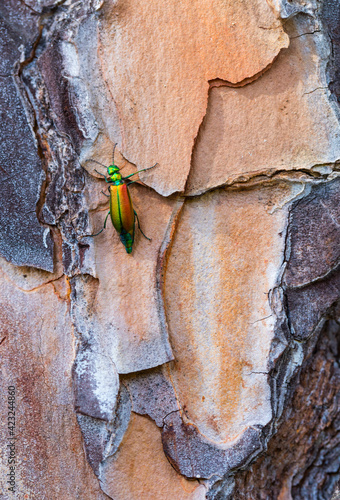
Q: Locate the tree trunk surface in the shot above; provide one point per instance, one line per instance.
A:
(204, 364)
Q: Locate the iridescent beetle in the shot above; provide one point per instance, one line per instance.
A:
(122, 213)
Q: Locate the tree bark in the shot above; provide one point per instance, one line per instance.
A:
(206, 363)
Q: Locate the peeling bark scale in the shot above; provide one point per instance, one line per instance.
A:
(206, 364)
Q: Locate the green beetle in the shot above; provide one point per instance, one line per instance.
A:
(122, 213)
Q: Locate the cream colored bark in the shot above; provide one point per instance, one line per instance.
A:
(165, 373)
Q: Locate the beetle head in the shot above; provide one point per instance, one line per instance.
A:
(112, 169)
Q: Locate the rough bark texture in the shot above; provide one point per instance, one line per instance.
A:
(302, 459)
(205, 364)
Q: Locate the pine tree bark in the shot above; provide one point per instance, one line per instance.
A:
(206, 363)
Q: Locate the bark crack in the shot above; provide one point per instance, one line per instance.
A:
(314, 90)
(217, 82)
(261, 319)
(318, 279)
(250, 179)
(303, 34)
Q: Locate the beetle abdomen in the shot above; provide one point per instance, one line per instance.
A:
(127, 240)
(121, 210)
(122, 214)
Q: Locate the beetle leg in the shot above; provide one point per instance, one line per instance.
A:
(106, 219)
(107, 195)
(103, 175)
(106, 180)
(143, 170)
(96, 234)
(140, 227)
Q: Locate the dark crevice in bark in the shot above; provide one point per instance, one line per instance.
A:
(303, 457)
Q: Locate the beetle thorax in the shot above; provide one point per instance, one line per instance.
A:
(114, 173)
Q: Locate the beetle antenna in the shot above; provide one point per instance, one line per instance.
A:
(153, 166)
(113, 154)
(95, 161)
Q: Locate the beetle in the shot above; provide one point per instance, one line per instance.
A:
(122, 213)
